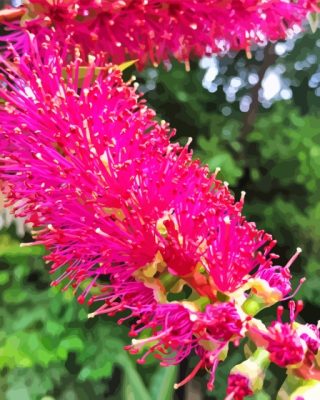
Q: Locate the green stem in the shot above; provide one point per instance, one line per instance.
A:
(253, 305)
(168, 280)
(201, 302)
(261, 357)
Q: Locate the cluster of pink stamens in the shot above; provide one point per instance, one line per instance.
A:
(154, 31)
(131, 222)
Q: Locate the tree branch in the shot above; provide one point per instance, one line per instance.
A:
(250, 116)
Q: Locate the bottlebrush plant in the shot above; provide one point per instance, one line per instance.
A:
(130, 221)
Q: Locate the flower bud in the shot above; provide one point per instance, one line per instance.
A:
(246, 378)
(295, 388)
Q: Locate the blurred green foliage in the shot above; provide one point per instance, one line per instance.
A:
(50, 350)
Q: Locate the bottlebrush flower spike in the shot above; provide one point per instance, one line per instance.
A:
(103, 187)
(153, 31)
(130, 221)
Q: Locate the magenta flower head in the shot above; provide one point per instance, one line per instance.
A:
(277, 279)
(290, 344)
(153, 31)
(284, 345)
(129, 220)
(238, 387)
(222, 322)
(173, 332)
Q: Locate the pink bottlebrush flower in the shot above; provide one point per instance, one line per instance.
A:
(284, 345)
(278, 278)
(311, 335)
(107, 193)
(238, 387)
(156, 31)
(222, 322)
(178, 329)
(128, 218)
(66, 183)
(214, 328)
(282, 340)
(247, 378)
(235, 252)
(120, 296)
(270, 284)
(295, 346)
(172, 337)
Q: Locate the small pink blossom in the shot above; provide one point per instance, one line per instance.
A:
(288, 344)
(284, 345)
(278, 278)
(238, 387)
(222, 322)
(172, 337)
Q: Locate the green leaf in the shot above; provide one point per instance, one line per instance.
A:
(126, 65)
(14, 295)
(4, 277)
(313, 19)
(261, 396)
(161, 387)
(95, 373)
(84, 71)
(133, 386)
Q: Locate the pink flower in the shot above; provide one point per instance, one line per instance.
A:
(172, 335)
(277, 277)
(124, 213)
(311, 335)
(282, 340)
(153, 31)
(108, 194)
(234, 252)
(222, 322)
(238, 387)
(284, 345)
